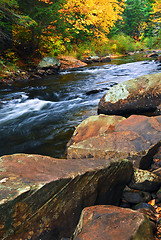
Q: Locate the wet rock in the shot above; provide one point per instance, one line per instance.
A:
(135, 196)
(139, 95)
(105, 59)
(48, 62)
(136, 138)
(94, 91)
(42, 197)
(145, 181)
(143, 206)
(113, 223)
(153, 55)
(92, 59)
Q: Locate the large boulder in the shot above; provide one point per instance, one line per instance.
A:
(42, 197)
(68, 62)
(49, 62)
(93, 126)
(139, 95)
(136, 138)
(112, 223)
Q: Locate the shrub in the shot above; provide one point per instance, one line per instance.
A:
(123, 43)
(151, 42)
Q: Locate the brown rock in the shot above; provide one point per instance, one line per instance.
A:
(136, 138)
(112, 223)
(42, 197)
(70, 62)
(139, 95)
(93, 126)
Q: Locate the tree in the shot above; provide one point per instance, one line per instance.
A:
(7, 16)
(137, 18)
(89, 18)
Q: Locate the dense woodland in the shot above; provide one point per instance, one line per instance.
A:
(32, 29)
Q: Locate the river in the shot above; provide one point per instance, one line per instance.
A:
(40, 116)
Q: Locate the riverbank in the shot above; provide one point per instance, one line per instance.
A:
(9, 76)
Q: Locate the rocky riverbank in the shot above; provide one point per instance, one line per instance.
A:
(51, 65)
(109, 184)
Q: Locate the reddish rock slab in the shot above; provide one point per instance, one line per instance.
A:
(136, 138)
(136, 96)
(112, 223)
(68, 62)
(42, 197)
(94, 126)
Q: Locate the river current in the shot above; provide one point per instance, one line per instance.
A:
(40, 116)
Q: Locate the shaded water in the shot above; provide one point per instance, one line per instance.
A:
(40, 116)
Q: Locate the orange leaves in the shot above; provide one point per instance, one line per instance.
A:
(152, 202)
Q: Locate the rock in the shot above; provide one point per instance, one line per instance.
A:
(112, 223)
(159, 194)
(92, 59)
(153, 55)
(42, 197)
(105, 59)
(94, 91)
(156, 164)
(136, 138)
(135, 196)
(49, 62)
(150, 214)
(94, 126)
(158, 111)
(159, 58)
(68, 62)
(139, 95)
(143, 206)
(145, 181)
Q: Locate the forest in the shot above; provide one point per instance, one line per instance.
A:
(32, 29)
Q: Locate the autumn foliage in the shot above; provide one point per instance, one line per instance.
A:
(35, 28)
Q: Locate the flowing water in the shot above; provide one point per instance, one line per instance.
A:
(40, 116)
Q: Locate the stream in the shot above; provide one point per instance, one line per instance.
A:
(40, 116)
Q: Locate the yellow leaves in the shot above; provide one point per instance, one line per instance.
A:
(157, 10)
(46, 1)
(99, 14)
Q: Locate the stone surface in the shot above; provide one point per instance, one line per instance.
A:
(136, 138)
(94, 126)
(48, 62)
(68, 62)
(92, 59)
(135, 196)
(42, 197)
(145, 181)
(112, 223)
(139, 95)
